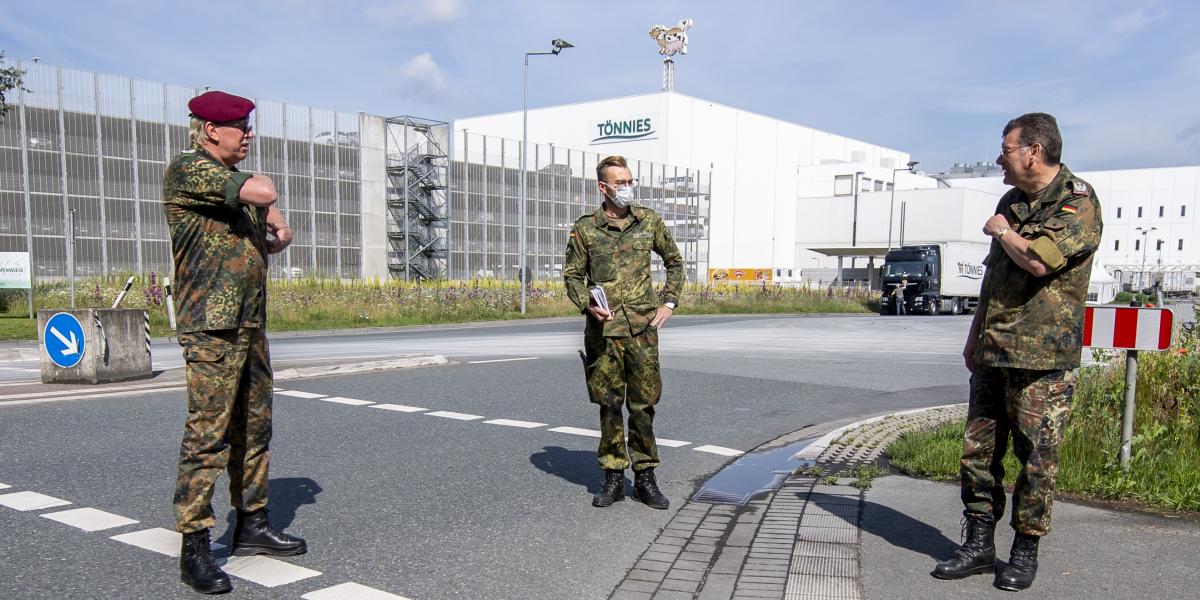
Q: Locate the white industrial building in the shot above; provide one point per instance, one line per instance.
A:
(800, 203)
(759, 165)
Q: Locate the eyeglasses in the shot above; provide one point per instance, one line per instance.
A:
(1006, 151)
(241, 125)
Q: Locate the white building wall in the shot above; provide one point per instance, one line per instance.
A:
(929, 215)
(1176, 190)
(757, 162)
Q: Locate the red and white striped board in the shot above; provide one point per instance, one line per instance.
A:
(1127, 328)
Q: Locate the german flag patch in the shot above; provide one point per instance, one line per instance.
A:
(1070, 208)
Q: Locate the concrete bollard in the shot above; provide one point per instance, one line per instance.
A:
(114, 345)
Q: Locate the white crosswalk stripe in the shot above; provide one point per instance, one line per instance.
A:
(266, 571)
(350, 591)
(89, 519)
(26, 501)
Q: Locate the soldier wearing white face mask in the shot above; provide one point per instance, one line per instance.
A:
(611, 248)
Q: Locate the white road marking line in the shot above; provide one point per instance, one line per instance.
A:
(4, 486)
(26, 501)
(297, 394)
(721, 450)
(670, 443)
(266, 571)
(157, 539)
(512, 423)
(400, 408)
(350, 591)
(43, 400)
(480, 362)
(350, 401)
(445, 414)
(89, 519)
(576, 431)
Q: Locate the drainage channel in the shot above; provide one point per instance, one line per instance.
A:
(753, 474)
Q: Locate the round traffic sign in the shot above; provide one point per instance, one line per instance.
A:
(63, 339)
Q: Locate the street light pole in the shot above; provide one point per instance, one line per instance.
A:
(892, 202)
(557, 45)
(1145, 232)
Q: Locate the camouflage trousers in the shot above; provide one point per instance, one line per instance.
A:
(625, 371)
(1032, 407)
(230, 390)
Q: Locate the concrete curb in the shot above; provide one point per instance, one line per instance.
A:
(800, 542)
(375, 365)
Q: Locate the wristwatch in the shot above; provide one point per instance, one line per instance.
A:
(670, 305)
(1001, 232)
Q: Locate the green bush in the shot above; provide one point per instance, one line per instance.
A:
(1123, 297)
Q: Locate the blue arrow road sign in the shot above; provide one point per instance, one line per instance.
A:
(63, 339)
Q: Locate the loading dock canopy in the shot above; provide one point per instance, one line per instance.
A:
(879, 251)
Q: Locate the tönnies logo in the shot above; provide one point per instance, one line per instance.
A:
(970, 271)
(623, 130)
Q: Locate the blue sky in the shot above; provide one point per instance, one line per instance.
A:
(938, 79)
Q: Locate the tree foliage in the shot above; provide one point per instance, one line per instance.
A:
(10, 79)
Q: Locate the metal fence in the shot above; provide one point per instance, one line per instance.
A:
(98, 144)
(560, 187)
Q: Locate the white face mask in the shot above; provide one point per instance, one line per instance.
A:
(622, 196)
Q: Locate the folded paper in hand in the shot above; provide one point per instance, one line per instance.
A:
(598, 297)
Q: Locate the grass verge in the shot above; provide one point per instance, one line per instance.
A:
(1164, 473)
(312, 304)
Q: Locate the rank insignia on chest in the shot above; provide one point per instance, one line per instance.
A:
(1070, 208)
(1079, 188)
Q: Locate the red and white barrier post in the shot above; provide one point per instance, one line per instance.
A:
(1130, 329)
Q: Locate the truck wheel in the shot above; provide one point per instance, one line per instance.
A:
(955, 306)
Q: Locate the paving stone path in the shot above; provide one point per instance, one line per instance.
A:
(797, 543)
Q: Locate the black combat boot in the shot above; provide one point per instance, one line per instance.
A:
(613, 489)
(645, 489)
(197, 567)
(976, 555)
(253, 534)
(1022, 564)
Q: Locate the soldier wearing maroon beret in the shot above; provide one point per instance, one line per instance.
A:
(223, 225)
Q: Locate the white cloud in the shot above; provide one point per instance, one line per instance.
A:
(1119, 29)
(422, 78)
(418, 11)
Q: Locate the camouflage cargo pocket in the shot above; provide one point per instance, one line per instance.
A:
(207, 376)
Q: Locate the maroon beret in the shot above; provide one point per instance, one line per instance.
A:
(220, 107)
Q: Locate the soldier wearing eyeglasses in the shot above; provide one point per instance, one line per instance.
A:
(610, 248)
(1023, 348)
(223, 225)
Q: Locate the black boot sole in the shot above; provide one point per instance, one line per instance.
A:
(1012, 587)
(262, 551)
(223, 588)
(651, 504)
(964, 574)
(601, 504)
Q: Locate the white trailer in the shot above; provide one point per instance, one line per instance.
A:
(944, 277)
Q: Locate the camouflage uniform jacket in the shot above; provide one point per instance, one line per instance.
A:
(1037, 322)
(600, 253)
(219, 245)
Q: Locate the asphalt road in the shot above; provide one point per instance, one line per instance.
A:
(432, 505)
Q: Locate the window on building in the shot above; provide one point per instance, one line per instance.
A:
(1158, 245)
(1116, 245)
(1160, 210)
(1118, 212)
(778, 272)
(789, 273)
(1139, 212)
(1137, 245)
(841, 185)
(878, 185)
(1181, 243)
(1183, 211)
